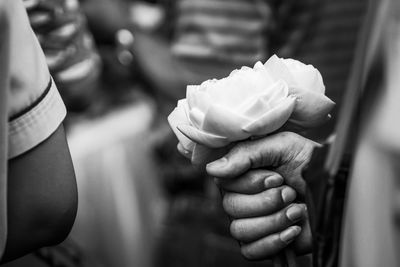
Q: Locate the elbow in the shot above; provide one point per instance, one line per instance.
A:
(59, 222)
(51, 222)
(39, 222)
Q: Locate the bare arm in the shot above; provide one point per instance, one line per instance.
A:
(42, 197)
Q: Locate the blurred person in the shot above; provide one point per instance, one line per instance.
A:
(175, 42)
(71, 54)
(322, 33)
(38, 199)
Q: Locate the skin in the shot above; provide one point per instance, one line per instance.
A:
(42, 197)
(264, 190)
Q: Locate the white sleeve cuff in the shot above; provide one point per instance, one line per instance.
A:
(36, 124)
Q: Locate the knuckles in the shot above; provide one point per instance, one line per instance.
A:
(238, 231)
(265, 203)
(290, 136)
(230, 204)
(248, 253)
(273, 198)
(262, 249)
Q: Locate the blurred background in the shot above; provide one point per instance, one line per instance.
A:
(120, 66)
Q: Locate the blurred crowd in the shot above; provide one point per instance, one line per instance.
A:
(107, 55)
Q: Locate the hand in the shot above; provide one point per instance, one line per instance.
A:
(263, 210)
(286, 153)
(265, 218)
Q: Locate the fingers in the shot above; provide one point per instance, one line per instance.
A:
(264, 221)
(270, 245)
(265, 152)
(187, 154)
(251, 229)
(265, 203)
(252, 182)
(303, 242)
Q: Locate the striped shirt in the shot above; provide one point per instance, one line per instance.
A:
(324, 33)
(233, 31)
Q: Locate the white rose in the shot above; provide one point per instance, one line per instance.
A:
(250, 102)
(306, 84)
(306, 76)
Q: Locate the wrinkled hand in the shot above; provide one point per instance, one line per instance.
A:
(285, 153)
(265, 217)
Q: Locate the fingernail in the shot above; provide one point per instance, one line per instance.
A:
(294, 212)
(184, 152)
(273, 181)
(218, 163)
(288, 195)
(289, 234)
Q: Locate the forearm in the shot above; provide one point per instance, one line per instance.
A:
(42, 197)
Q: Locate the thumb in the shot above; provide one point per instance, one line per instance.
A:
(264, 152)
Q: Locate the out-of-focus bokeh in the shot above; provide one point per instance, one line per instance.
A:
(120, 66)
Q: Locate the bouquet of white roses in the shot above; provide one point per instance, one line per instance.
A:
(249, 103)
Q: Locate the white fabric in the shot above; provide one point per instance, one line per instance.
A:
(35, 126)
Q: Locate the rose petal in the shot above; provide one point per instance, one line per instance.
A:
(306, 124)
(231, 91)
(307, 76)
(197, 97)
(178, 117)
(310, 79)
(196, 117)
(273, 119)
(240, 86)
(203, 155)
(224, 122)
(190, 91)
(279, 71)
(258, 65)
(259, 104)
(201, 137)
(256, 107)
(262, 104)
(281, 91)
(182, 103)
(310, 106)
